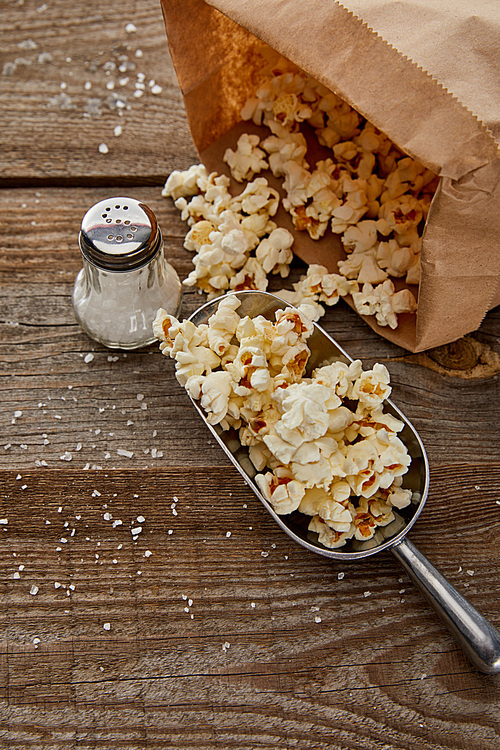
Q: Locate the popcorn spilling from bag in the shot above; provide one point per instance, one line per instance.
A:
(323, 444)
(368, 192)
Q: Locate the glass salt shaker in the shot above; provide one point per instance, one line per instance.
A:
(125, 277)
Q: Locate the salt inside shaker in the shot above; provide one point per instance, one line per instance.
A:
(125, 277)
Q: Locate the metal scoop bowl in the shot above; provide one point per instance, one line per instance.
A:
(477, 637)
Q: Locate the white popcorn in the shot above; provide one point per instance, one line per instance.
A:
(384, 302)
(274, 252)
(361, 237)
(223, 324)
(369, 271)
(183, 184)
(257, 197)
(247, 160)
(215, 392)
(199, 235)
(327, 536)
(371, 387)
(291, 148)
(251, 276)
(281, 490)
(318, 502)
(401, 214)
(312, 452)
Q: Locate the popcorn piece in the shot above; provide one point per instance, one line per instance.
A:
(215, 392)
(401, 214)
(274, 252)
(318, 502)
(247, 160)
(371, 387)
(384, 302)
(328, 536)
(183, 184)
(281, 490)
(291, 148)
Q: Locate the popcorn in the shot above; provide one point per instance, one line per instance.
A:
(274, 252)
(384, 302)
(367, 191)
(372, 387)
(280, 488)
(183, 184)
(247, 160)
(215, 392)
(321, 444)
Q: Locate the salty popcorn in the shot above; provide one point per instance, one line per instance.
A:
(322, 444)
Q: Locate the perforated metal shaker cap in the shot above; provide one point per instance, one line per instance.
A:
(119, 234)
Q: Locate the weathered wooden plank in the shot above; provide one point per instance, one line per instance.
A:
(212, 633)
(68, 78)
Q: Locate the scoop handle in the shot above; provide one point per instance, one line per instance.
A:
(479, 640)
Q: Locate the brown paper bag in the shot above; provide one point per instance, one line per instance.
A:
(427, 76)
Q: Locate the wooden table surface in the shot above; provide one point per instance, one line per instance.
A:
(209, 629)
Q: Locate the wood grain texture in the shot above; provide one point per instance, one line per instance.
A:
(58, 62)
(222, 634)
(212, 638)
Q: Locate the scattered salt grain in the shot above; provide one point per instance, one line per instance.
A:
(107, 626)
(130, 28)
(340, 576)
(140, 519)
(66, 456)
(228, 534)
(156, 89)
(34, 590)
(16, 576)
(107, 516)
(27, 44)
(103, 149)
(89, 357)
(136, 531)
(225, 646)
(470, 572)
(125, 453)
(317, 619)
(118, 130)
(367, 593)
(148, 553)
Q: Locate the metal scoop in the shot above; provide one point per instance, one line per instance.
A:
(476, 636)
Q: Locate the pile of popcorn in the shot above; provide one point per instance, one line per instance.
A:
(323, 444)
(368, 192)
